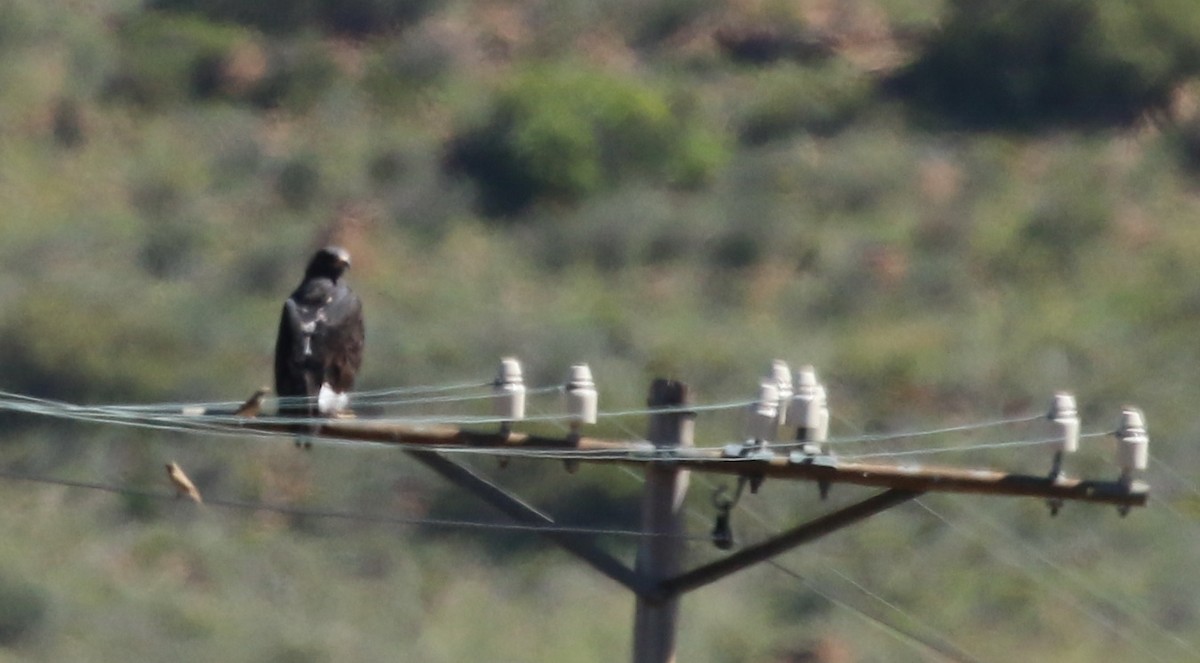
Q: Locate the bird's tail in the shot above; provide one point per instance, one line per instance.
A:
(330, 402)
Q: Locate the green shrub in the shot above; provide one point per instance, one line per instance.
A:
(1028, 63)
(819, 100)
(298, 74)
(298, 183)
(166, 60)
(738, 248)
(563, 133)
(403, 68)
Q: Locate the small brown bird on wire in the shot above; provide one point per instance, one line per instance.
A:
(183, 485)
(253, 405)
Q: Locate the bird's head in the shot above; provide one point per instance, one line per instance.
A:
(330, 262)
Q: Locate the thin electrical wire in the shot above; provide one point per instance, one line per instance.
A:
(420, 389)
(884, 437)
(1178, 478)
(1170, 476)
(1107, 625)
(538, 391)
(366, 396)
(108, 414)
(214, 427)
(234, 426)
(945, 647)
(213, 424)
(344, 515)
(940, 644)
(101, 416)
(681, 409)
(898, 632)
(1104, 623)
(948, 650)
(169, 424)
(1076, 602)
(376, 397)
(967, 447)
(1187, 522)
(943, 448)
(1069, 597)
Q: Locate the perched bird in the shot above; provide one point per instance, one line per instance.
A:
(183, 485)
(320, 345)
(253, 405)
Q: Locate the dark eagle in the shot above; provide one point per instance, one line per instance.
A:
(320, 343)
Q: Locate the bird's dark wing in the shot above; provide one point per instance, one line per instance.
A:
(292, 376)
(340, 339)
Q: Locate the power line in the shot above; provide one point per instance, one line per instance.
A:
(178, 414)
(1069, 597)
(969, 447)
(343, 515)
(419, 389)
(228, 425)
(885, 437)
(657, 584)
(1178, 478)
(933, 640)
(942, 646)
(366, 396)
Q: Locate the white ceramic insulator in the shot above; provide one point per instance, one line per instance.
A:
(818, 431)
(508, 391)
(782, 376)
(1065, 415)
(806, 377)
(1133, 444)
(582, 401)
(762, 418)
(805, 409)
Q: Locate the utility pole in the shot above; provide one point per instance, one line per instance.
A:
(657, 577)
(660, 553)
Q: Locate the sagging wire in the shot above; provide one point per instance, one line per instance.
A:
(967, 447)
(365, 396)
(1068, 597)
(218, 423)
(722, 537)
(941, 645)
(886, 437)
(342, 515)
(1176, 476)
(108, 413)
(235, 426)
(934, 641)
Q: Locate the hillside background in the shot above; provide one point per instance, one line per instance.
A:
(953, 209)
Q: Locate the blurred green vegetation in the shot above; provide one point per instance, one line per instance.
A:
(563, 133)
(1030, 63)
(952, 208)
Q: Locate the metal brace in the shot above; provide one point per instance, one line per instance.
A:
(722, 533)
